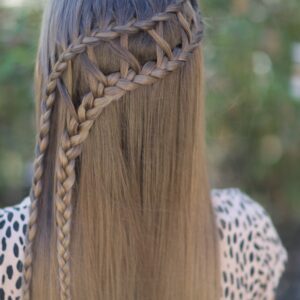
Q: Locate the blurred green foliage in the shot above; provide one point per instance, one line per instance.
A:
(18, 39)
(253, 119)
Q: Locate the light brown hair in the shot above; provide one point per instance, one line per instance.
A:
(120, 205)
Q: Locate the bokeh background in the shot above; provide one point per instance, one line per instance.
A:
(252, 50)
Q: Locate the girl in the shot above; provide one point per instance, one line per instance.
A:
(120, 205)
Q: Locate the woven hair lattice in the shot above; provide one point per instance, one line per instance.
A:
(131, 75)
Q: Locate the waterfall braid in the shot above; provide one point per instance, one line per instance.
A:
(75, 90)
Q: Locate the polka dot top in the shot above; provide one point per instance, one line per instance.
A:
(252, 255)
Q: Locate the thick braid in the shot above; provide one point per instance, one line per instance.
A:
(80, 122)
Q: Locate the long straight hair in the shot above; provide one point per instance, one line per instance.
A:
(138, 223)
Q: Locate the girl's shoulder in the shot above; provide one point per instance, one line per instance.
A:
(13, 227)
(252, 255)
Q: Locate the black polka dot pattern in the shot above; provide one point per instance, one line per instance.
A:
(12, 250)
(252, 256)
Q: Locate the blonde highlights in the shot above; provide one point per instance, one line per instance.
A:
(120, 196)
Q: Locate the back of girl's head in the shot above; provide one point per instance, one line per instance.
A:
(120, 200)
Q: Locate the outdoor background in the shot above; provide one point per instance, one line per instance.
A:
(252, 50)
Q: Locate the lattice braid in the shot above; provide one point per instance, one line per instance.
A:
(80, 122)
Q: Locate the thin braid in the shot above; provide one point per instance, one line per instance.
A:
(159, 51)
(77, 128)
(65, 174)
(124, 66)
(36, 190)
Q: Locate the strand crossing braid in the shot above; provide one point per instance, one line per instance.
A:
(112, 87)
